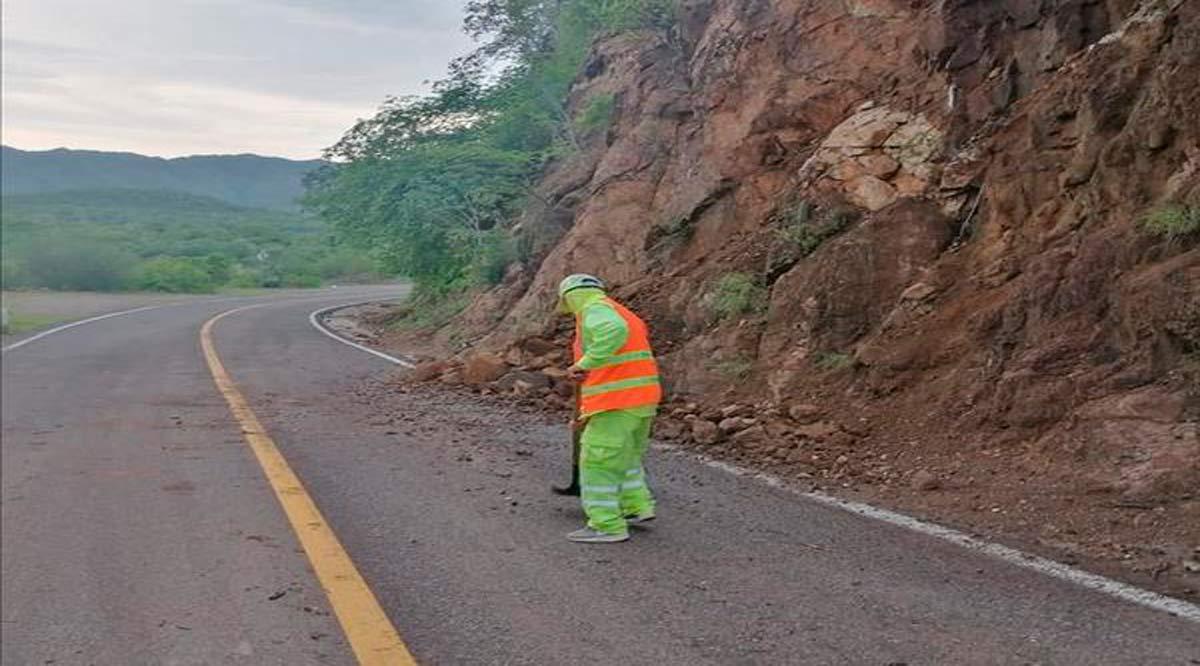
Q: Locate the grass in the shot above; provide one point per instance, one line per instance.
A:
(427, 313)
(737, 367)
(808, 227)
(596, 113)
(1172, 222)
(676, 226)
(832, 360)
(20, 323)
(737, 294)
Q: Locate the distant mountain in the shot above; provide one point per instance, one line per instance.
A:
(245, 180)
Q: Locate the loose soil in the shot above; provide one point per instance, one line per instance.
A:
(1000, 492)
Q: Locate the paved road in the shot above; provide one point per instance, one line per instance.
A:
(138, 529)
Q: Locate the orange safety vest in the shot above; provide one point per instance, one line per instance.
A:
(629, 379)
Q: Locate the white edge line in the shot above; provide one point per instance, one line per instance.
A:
(107, 315)
(1096, 582)
(81, 322)
(314, 318)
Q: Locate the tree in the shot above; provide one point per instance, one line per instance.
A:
(76, 264)
(429, 184)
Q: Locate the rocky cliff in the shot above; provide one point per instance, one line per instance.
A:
(937, 213)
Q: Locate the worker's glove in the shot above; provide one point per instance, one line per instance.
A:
(576, 373)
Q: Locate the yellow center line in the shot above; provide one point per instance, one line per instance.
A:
(371, 635)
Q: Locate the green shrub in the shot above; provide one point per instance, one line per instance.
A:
(65, 263)
(301, 281)
(677, 226)
(737, 294)
(806, 226)
(1172, 222)
(176, 275)
(621, 15)
(431, 308)
(496, 251)
(596, 113)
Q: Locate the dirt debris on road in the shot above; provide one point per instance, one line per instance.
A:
(1002, 492)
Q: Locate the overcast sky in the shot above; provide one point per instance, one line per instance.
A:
(181, 77)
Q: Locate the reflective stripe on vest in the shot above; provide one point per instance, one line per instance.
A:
(629, 379)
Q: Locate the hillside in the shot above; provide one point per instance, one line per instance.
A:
(246, 180)
(943, 254)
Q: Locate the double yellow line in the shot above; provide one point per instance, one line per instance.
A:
(371, 635)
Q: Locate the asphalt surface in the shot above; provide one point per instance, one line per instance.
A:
(138, 529)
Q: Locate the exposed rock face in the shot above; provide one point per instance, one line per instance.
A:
(991, 284)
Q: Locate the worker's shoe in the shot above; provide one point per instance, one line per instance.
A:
(640, 518)
(589, 535)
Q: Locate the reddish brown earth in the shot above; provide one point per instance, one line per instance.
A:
(986, 336)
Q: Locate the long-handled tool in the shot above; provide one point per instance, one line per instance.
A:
(572, 489)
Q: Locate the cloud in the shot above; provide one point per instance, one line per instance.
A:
(282, 77)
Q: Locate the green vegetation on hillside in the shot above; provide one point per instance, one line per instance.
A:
(110, 240)
(432, 182)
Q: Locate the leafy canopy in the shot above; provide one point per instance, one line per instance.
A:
(429, 184)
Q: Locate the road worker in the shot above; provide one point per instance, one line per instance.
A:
(618, 399)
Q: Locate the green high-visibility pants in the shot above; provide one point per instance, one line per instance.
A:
(610, 468)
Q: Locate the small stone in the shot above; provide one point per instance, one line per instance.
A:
(804, 413)
(529, 380)
(513, 356)
(735, 424)
(735, 410)
(925, 481)
(918, 292)
(554, 373)
(819, 432)
(539, 346)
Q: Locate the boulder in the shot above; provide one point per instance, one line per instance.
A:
(751, 438)
(670, 429)
(429, 370)
(871, 193)
(482, 368)
(705, 432)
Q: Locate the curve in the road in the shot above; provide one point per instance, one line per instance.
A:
(81, 322)
(371, 635)
(314, 318)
